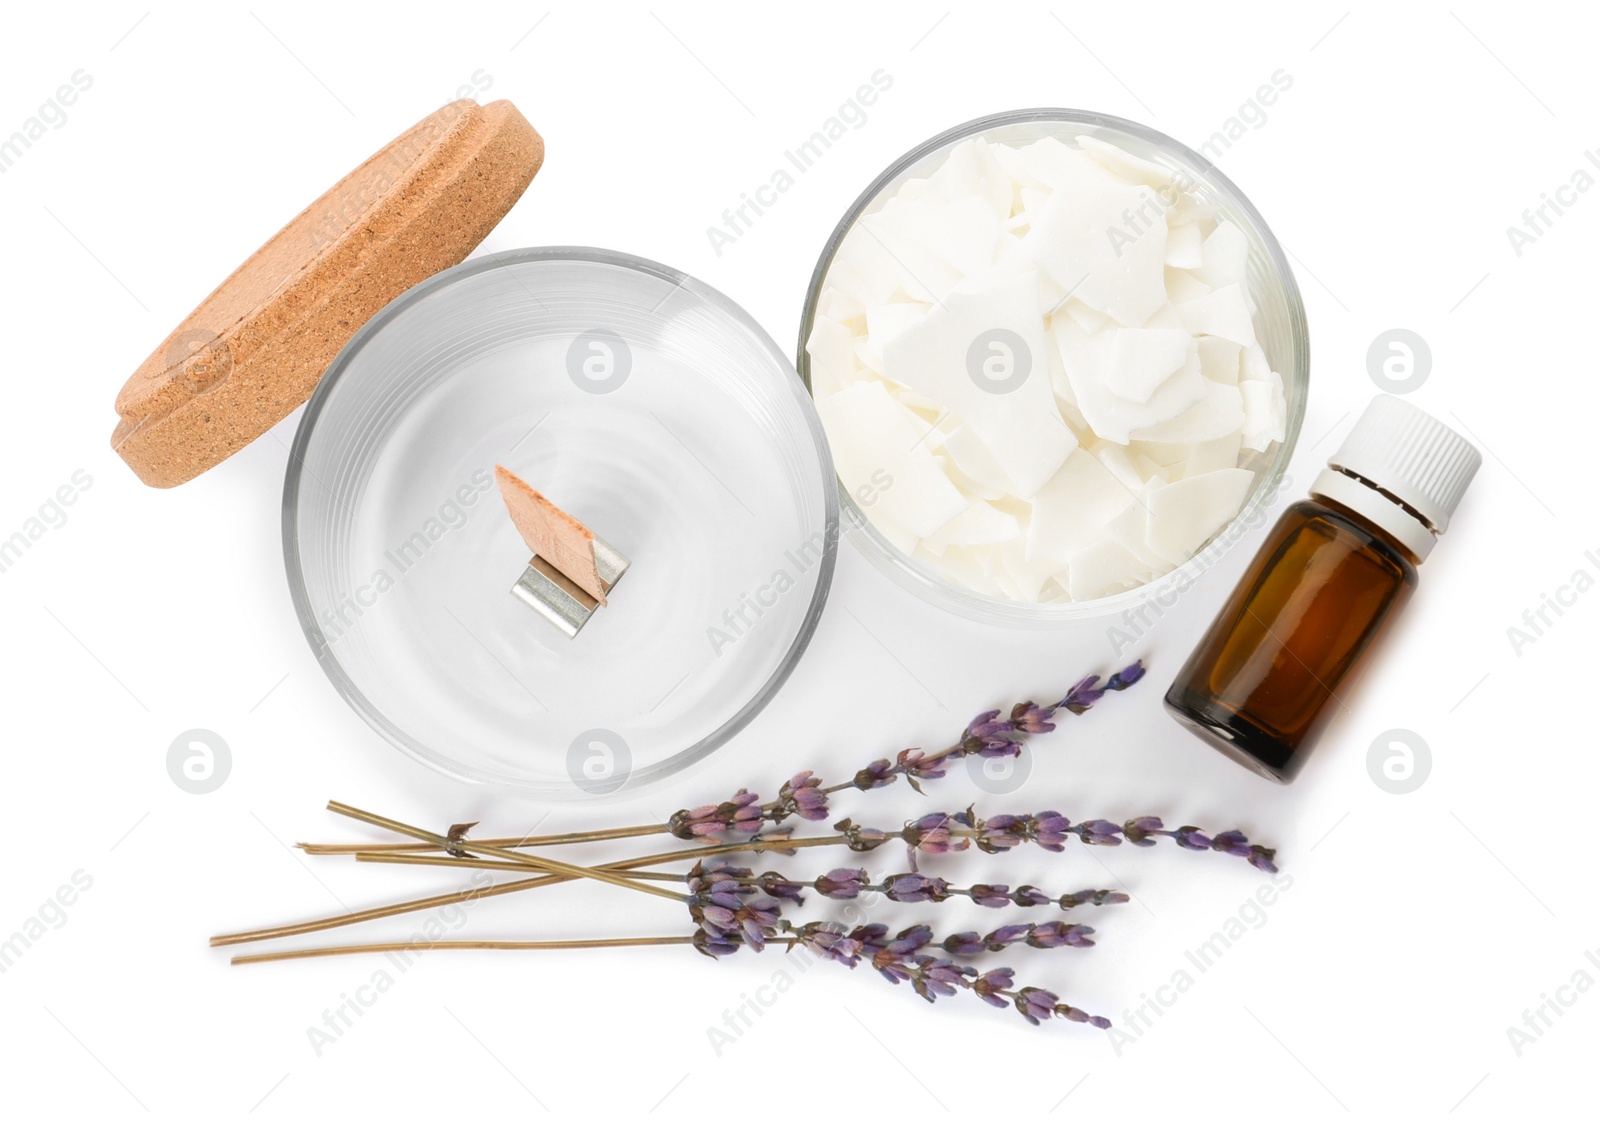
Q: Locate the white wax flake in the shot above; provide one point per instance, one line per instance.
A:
(1088, 362)
(1102, 568)
(983, 355)
(1219, 413)
(862, 269)
(1085, 317)
(1208, 456)
(1125, 164)
(1187, 512)
(1183, 286)
(1071, 510)
(868, 356)
(831, 347)
(841, 306)
(1105, 242)
(970, 567)
(1253, 363)
(968, 455)
(1265, 412)
(1143, 358)
(965, 234)
(899, 538)
(1219, 359)
(1171, 458)
(1012, 263)
(1130, 529)
(887, 321)
(891, 241)
(1221, 312)
(1065, 402)
(971, 171)
(1029, 578)
(930, 410)
(1223, 256)
(870, 433)
(1183, 246)
(979, 524)
(1049, 353)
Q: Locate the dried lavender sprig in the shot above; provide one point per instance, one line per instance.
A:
(731, 910)
(901, 959)
(936, 977)
(846, 883)
(942, 832)
(988, 735)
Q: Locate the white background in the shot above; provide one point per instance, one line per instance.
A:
(1417, 929)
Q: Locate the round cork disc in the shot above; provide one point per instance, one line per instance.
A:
(256, 347)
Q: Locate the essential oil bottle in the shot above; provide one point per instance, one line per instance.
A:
(1272, 668)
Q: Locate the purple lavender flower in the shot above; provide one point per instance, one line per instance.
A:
(741, 814)
(989, 735)
(917, 765)
(1048, 829)
(859, 838)
(757, 920)
(895, 959)
(1030, 896)
(1082, 695)
(1031, 719)
(714, 944)
(1001, 833)
(994, 897)
(1192, 838)
(1231, 843)
(1140, 831)
(987, 725)
(1099, 833)
(872, 938)
(935, 978)
(1005, 936)
(909, 940)
(932, 835)
(780, 887)
(802, 795)
(842, 884)
(1073, 1014)
(990, 986)
(691, 823)
(1261, 858)
(829, 941)
(1036, 1004)
(1093, 897)
(1086, 692)
(915, 888)
(875, 775)
(1059, 934)
(1127, 677)
(968, 943)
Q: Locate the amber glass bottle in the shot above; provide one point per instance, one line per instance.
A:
(1270, 671)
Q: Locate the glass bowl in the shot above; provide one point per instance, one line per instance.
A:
(646, 404)
(1280, 323)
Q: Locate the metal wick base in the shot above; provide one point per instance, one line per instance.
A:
(546, 589)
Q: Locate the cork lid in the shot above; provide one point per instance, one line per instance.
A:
(256, 347)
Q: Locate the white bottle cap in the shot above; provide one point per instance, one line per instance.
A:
(1403, 469)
